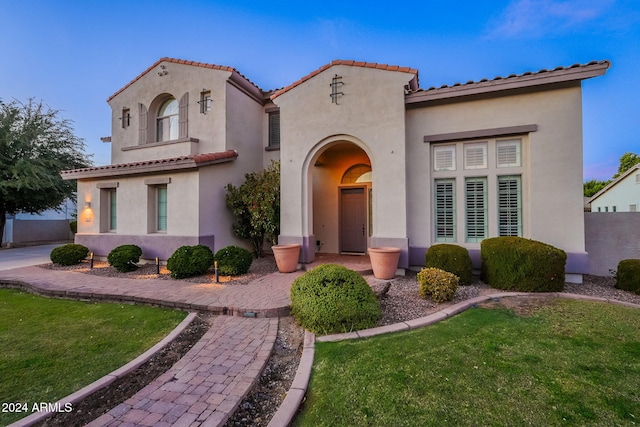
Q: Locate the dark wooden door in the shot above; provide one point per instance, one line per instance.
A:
(353, 219)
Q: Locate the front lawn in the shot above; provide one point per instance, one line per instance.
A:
(50, 348)
(564, 363)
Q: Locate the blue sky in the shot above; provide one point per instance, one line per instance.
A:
(74, 54)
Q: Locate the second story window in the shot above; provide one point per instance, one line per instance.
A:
(167, 122)
(205, 101)
(126, 118)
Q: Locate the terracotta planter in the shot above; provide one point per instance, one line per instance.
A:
(384, 262)
(286, 257)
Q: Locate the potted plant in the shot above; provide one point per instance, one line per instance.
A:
(286, 257)
(384, 261)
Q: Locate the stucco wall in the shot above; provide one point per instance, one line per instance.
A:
(46, 230)
(551, 156)
(371, 115)
(208, 128)
(626, 192)
(610, 238)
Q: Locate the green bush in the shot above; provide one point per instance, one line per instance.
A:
(125, 258)
(233, 260)
(73, 226)
(514, 263)
(69, 254)
(628, 275)
(331, 298)
(189, 261)
(437, 284)
(452, 258)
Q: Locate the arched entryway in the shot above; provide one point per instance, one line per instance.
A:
(340, 174)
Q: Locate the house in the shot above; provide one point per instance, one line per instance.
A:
(621, 195)
(368, 158)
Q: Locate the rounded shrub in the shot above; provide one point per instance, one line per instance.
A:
(437, 284)
(518, 264)
(452, 258)
(125, 257)
(331, 298)
(233, 260)
(188, 261)
(70, 254)
(628, 275)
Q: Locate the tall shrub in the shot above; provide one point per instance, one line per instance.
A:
(452, 258)
(514, 263)
(256, 207)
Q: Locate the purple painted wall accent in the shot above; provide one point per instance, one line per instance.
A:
(152, 245)
(611, 237)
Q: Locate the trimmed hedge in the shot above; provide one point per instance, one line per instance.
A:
(70, 254)
(628, 275)
(188, 261)
(452, 258)
(125, 258)
(233, 261)
(518, 264)
(437, 284)
(331, 298)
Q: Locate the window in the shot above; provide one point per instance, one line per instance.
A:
(508, 153)
(274, 129)
(167, 122)
(606, 208)
(161, 208)
(205, 101)
(445, 210)
(476, 209)
(444, 158)
(599, 209)
(633, 208)
(126, 118)
(357, 174)
(475, 156)
(113, 210)
(614, 208)
(509, 206)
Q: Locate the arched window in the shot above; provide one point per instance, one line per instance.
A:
(357, 174)
(167, 122)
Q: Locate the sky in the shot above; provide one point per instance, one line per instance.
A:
(73, 55)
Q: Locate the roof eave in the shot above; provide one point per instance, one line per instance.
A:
(615, 182)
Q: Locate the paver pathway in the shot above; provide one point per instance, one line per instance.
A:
(204, 387)
(267, 296)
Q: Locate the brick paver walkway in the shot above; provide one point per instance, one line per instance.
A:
(205, 387)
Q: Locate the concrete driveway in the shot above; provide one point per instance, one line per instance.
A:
(26, 256)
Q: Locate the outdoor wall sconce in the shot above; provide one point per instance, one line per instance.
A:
(87, 205)
(336, 82)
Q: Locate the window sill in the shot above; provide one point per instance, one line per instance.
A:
(274, 148)
(160, 144)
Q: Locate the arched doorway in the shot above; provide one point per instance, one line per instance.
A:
(341, 177)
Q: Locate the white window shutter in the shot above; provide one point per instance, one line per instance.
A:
(509, 206)
(476, 209)
(475, 156)
(445, 215)
(509, 153)
(444, 158)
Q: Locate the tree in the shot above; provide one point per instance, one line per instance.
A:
(627, 161)
(592, 186)
(256, 206)
(35, 145)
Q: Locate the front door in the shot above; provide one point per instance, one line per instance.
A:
(353, 214)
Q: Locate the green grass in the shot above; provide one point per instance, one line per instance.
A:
(569, 363)
(50, 348)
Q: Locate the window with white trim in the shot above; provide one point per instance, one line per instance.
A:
(508, 153)
(475, 155)
(445, 210)
(509, 206)
(444, 158)
(167, 121)
(476, 210)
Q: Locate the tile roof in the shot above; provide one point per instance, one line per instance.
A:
(145, 166)
(349, 63)
(183, 62)
(529, 78)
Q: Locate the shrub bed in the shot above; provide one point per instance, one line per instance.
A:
(125, 258)
(437, 284)
(628, 275)
(188, 261)
(233, 260)
(452, 258)
(518, 264)
(331, 298)
(70, 254)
